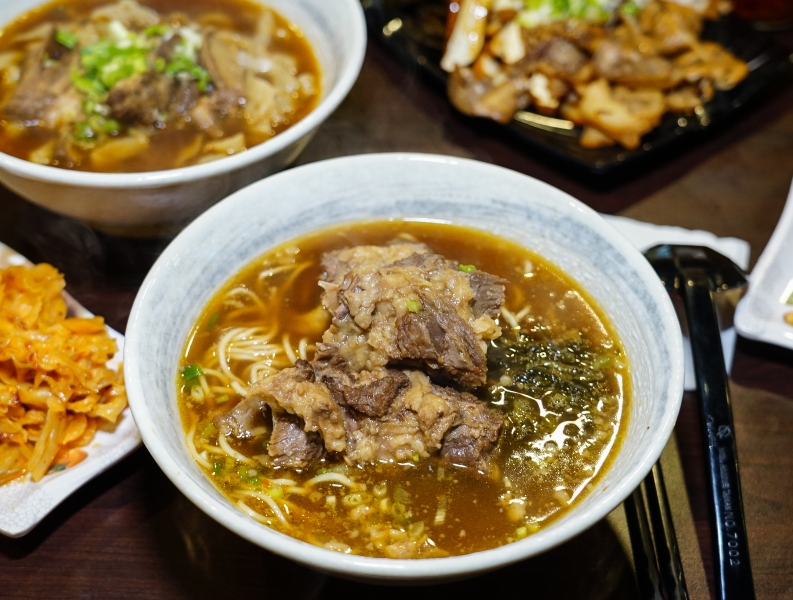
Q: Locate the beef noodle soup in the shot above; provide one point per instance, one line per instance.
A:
(403, 389)
(128, 87)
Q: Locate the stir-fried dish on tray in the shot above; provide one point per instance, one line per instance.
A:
(613, 68)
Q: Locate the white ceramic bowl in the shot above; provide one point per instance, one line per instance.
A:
(137, 203)
(378, 186)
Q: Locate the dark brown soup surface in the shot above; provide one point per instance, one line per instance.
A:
(557, 375)
(132, 86)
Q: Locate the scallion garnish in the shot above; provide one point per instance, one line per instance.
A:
(65, 38)
(191, 372)
(467, 268)
(414, 306)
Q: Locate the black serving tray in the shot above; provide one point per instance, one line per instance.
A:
(413, 31)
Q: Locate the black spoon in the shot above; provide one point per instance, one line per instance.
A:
(695, 273)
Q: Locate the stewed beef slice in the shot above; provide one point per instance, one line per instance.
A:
(246, 420)
(143, 99)
(291, 445)
(294, 391)
(471, 441)
(369, 392)
(45, 93)
(401, 304)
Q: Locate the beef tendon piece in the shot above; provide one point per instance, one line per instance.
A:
(244, 421)
(403, 304)
(291, 391)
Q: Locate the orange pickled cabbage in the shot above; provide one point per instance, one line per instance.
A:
(55, 386)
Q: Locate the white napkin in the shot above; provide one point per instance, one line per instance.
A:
(646, 235)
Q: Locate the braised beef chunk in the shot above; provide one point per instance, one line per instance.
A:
(142, 99)
(386, 415)
(443, 341)
(370, 393)
(305, 370)
(472, 441)
(291, 391)
(246, 420)
(391, 305)
(290, 445)
(401, 304)
(488, 294)
(45, 87)
(338, 263)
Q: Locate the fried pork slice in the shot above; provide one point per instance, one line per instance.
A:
(402, 304)
(622, 114)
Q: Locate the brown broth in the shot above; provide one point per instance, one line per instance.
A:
(478, 506)
(239, 16)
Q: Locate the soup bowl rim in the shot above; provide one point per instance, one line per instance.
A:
(346, 77)
(405, 570)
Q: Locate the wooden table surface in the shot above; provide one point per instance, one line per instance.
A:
(130, 533)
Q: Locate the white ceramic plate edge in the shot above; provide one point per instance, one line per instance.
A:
(759, 315)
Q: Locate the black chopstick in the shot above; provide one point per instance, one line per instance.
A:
(659, 571)
(673, 582)
(695, 273)
(644, 557)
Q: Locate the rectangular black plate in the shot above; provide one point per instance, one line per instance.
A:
(417, 40)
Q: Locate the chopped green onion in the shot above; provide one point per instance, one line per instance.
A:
(255, 481)
(160, 64)
(160, 29)
(56, 468)
(90, 87)
(521, 532)
(467, 268)
(415, 456)
(401, 495)
(208, 430)
(213, 320)
(221, 399)
(276, 492)
(112, 126)
(217, 468)
(191, 372)
(414, 306)
(83, 132)
(64, 38)
(183, 64)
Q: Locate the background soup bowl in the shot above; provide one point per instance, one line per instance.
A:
(142, 203)
(242, 227)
